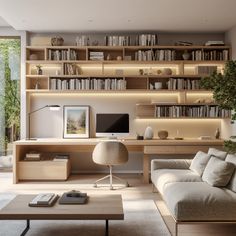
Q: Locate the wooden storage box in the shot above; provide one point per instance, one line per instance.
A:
(44, 170)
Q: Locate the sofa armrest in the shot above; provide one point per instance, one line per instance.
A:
(170, 164)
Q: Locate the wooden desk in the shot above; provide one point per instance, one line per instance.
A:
(147, 147)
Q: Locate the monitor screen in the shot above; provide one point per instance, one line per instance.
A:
(112, 124)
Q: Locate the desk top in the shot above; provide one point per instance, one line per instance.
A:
(126, 141)
(99, 207)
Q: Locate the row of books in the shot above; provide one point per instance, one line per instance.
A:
(117, 40)
(146, 40)
(155, 55)
(72, 69)
(96, 56)
(198, 111)
(180, 83)
(217, 55)
(205, 70)
(87, 84)
(63, 54)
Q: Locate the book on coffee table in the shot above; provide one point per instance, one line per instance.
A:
(43, 200)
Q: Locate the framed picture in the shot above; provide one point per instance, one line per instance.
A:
(76, 122)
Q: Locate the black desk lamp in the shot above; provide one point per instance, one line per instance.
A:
(51, 107)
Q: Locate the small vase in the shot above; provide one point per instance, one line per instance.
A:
(186, 56)
(148, 134)
(217, 133)
(162, 134)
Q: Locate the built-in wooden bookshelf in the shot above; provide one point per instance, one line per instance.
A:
(139, 69)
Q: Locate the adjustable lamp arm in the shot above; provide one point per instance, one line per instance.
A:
(30, 113)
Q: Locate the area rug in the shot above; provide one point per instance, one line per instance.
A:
(141, 219)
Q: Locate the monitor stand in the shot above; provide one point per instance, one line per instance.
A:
(112, 137)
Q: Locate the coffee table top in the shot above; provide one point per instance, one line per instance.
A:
(98, 207)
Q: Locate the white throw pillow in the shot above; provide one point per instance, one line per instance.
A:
(217, 153)
(199, 162)
(217, 172)
(232, 183)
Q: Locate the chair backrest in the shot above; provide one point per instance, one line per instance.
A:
(110, 153)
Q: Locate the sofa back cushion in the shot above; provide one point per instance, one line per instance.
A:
(232, 183)
(218, 172)
(217, 153)
(199, 162)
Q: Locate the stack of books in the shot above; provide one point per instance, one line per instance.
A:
(43, 200)
(73, 197)
(61, 157)
(96, 56)
(32, 156)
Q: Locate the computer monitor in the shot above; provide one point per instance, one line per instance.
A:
(112, 125)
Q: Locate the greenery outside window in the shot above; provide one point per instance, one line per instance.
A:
(9, 97)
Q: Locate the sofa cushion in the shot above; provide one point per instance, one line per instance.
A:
(199, 162)
(232, 183)
(164, 176)
(199, 201)
(217, 172)
(218, 153)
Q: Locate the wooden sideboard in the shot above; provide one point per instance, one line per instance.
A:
(25, 170)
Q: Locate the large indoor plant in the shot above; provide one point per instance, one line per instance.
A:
(223, 86)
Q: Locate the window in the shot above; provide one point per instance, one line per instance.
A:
(9, 97)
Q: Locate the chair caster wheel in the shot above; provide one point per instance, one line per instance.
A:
(95, 186)
(111, 188)
(127, 185)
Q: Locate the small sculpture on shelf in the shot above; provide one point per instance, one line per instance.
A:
(148, 134)
(162, 134)
(217, 133)
(39, 70)
(57, 41)
(37, 85)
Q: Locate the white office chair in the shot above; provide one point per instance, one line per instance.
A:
(110, 153)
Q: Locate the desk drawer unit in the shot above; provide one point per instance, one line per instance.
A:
(186, 149)
(44, 170)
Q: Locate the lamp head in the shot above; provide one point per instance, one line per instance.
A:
(54, 107)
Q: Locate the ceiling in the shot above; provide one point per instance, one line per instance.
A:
(3, 23)
(119, 15)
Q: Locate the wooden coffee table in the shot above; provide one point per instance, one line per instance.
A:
(99, 207)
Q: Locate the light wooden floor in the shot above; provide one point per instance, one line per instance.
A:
(138, 190)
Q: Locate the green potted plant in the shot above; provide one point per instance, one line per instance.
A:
(224, 93)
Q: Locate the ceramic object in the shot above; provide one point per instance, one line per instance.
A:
(162, 134)
(57, 41)
(158, 85)
(167, 71)
(33, 57)
(186, 55)
(148, 134)
(217, 133)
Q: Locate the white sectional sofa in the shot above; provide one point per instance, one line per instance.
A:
(198, 190)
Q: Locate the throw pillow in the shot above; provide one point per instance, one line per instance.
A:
(217, 172)
(199, 162)
(232, 183)
(217, 153)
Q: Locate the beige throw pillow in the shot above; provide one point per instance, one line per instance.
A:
(232, 183)
(217, 153)
(199, 162)
(217, 172)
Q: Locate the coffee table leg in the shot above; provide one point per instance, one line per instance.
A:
(26, 228)
(107, 228)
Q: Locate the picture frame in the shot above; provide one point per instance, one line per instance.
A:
(76, 121)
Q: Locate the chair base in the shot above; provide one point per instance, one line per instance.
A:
(110, 176)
